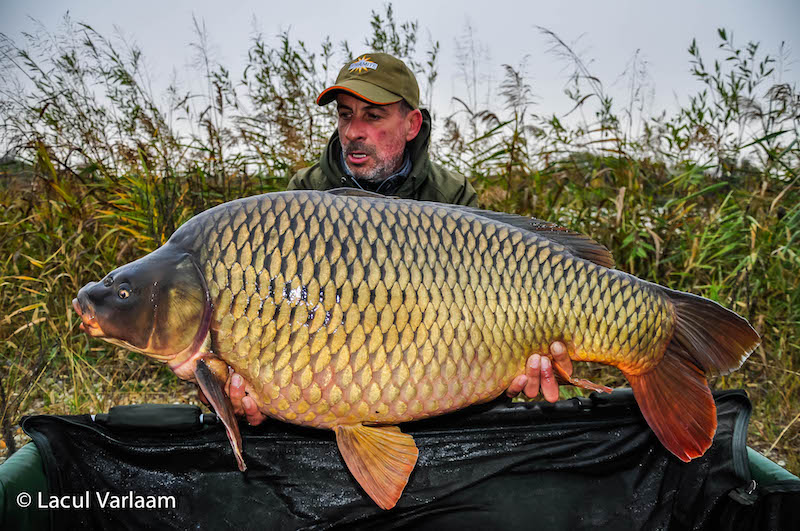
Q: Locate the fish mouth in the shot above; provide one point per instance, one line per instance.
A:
(89, 322)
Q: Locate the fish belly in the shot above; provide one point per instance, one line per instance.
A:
(341, 310)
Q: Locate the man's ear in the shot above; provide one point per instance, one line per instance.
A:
(414, 123)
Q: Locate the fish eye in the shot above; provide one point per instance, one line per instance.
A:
(123, 293)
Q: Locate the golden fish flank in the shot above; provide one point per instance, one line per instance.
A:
(381, 316)
(357, 312)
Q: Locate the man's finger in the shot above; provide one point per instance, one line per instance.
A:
(237, 387)
(532, 387)
(236, 393)
(548, 381)
(560, 356)
(251, 411)
(517, 385)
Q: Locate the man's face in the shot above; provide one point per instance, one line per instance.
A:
(374, 136)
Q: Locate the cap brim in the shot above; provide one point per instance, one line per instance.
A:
(360, 89)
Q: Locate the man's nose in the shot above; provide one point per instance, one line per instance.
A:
(355, 130)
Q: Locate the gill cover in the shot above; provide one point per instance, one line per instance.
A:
(158, 305)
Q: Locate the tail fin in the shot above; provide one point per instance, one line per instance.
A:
(677, 404)
(709, 335)
(674, 396)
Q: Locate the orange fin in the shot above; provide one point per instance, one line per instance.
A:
(563, 377)
(676, 402)
(380, 458)
(674, 396)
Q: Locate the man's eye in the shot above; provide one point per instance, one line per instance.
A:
(374, 116)
(123, 293)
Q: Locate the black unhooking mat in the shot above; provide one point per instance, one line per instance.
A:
(583, 463)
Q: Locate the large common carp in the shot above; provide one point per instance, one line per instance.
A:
(354, 312)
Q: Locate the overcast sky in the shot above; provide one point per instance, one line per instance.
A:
(606, 32)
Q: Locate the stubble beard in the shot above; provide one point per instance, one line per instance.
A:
(383, 168)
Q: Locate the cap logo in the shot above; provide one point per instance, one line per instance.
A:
(362, 64)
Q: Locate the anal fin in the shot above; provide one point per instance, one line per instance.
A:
(381, 459)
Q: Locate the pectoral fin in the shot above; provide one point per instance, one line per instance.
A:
(380, 458)
(213, 386)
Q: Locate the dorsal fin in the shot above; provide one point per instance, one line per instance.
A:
(580, 245)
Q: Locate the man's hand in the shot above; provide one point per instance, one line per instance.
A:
(243, 404)
(539, 374)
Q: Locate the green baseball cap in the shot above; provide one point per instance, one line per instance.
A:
(377, 78)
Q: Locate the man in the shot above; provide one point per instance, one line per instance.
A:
(381, 142)
(381, 145)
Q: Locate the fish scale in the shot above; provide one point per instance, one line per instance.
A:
(342, 310)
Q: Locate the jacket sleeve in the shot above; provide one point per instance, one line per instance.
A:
(297, 181)
(468, 195)
(311, 178)
(447, 186)
(462, 193)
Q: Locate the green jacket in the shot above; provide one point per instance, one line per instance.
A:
(427, 181)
